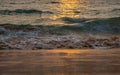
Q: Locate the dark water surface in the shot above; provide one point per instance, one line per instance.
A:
(60, 62)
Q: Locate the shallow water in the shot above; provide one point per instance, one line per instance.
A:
(60, 62)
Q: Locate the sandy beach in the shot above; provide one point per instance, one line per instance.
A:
(60, 62)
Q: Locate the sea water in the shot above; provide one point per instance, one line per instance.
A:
(57, 12)
(41, 24)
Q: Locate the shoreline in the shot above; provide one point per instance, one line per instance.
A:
(60, 49)
(59, 42)
(52, 37)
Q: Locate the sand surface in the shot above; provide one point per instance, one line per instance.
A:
(60, 62)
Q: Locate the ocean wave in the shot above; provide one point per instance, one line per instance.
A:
(73, 20)
(106, 21)
(54, 2)
(116, 10)
(35, 42)
(98, 26)
(25, 37)
(23, 11)
(93, 34)
(113, 21)
(104, 25)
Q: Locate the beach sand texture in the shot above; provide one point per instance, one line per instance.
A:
(60, 62)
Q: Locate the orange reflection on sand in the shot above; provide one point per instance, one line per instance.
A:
(60, 62)
(70, 51)
(67, 53)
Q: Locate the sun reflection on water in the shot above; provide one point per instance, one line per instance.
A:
(69, 8)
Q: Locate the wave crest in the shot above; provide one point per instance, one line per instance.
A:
(23, 11)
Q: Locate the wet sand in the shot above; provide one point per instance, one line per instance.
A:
(60, 62)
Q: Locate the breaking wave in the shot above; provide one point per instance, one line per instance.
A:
(101, 33)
